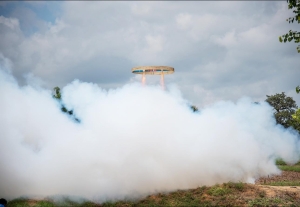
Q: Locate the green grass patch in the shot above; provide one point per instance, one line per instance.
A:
(219, 191)
(116, 204)
(284, 183)
(280, 162)
(286, 167)
(43, 204)
(23, 202)
(294, 168)
(19, 202)
(237, 186)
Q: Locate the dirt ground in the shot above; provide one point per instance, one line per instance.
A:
(292, 192)
(285, 176)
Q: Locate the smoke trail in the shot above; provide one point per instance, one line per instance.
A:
(131, 141)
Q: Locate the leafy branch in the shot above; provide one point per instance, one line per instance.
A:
(292, 35)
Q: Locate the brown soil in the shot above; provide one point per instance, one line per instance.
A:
(285, 176)
(291, 193)
(279, 191)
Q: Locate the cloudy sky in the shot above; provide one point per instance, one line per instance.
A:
(220, 50)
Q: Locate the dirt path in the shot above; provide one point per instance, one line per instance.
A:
(288, 192)
(278, 191)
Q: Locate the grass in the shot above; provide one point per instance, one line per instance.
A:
(265, 202)
(19, 202)
(280, 162)
(285, 167)
(285, 183)
(227, 194)
(219, 191)
(238, 186)
(294, 168)
(23, 202)
(44, 204)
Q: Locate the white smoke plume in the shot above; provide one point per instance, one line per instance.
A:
(131, 141)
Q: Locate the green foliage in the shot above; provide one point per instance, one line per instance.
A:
(296, 115)
(285, 167)
(265, 202)
(44, 204)
(219, 191)
(237, 186)
(194, 108)
(298, 89)
(285, 183)
(284, 107)
(66, 202)
(293, 168)
(19, 202)
(296, 120)
(292, 35)
(57, 93)
(280, 162)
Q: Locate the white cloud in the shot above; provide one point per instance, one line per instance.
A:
(229, 39)
(211, 48)
(12, 23)
(154, 43)
(139, 9)
(184, 21)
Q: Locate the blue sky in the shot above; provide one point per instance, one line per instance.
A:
(220, 50)
(43, 11)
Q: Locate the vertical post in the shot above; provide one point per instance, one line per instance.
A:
(162, 80)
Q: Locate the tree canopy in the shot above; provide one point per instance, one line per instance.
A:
(57, 93)
(298, 89)
(194, 108)
(284, 107)
(292, 35)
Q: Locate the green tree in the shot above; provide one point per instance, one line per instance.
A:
(296, 115)
(194, 108)
(292, 35)
(284, 107)
(296, 120)
(298, 89)
(57, 93)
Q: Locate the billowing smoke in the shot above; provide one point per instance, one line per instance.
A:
(131, 141)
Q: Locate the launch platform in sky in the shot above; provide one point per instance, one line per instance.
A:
(153, 70)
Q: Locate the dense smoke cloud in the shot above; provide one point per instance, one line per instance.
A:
(131, 141)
